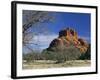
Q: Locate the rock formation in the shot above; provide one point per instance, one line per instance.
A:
(68, 37)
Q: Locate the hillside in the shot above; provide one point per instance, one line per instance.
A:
(67, 46)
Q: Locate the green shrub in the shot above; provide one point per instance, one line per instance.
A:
(69, 53)
(29, 57)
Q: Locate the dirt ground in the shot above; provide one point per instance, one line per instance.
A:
(39, 64)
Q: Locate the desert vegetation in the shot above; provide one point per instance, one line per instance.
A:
(49, 59)
(70, 54)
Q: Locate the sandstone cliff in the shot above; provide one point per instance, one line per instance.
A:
(68, 37)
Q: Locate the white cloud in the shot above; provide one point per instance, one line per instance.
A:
(43, 41)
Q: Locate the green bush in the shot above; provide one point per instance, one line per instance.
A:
(69, 53)
(29, 57)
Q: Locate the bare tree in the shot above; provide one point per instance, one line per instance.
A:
(33, 20)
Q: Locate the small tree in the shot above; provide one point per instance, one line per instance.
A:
(34, 20)
(48, 55)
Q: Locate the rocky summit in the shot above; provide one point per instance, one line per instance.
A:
(69, 37)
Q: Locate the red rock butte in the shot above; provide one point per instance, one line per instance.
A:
(67, 37)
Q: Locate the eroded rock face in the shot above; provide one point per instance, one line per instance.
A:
(68, 37)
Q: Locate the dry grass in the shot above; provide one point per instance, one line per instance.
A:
(39, 64)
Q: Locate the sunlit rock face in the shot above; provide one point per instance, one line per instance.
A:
(69, 37)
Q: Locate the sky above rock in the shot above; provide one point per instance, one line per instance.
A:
(81, 22)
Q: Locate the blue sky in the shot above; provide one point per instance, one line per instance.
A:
(78, 21)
